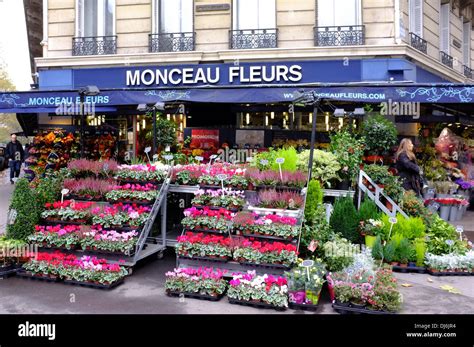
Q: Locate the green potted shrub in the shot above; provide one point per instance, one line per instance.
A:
(314, 198)
(325, 166)
(404, 252)
(380, 134)
(377, 249)
(420, 250)
(344, 219)
(389, 253)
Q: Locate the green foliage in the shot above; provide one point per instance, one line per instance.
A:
(325, 165)
(420, 250)
(290, 155)
(389, 252)
(410, 228)
(344, 219)
(25, 204)
(369, 210)
(338, 253)
(314, 198)
(318, 231)
(349, 151)
(9, 123)
(269, 156)
(404, 251)
(48, 189)
(165, 132)
(377, 248)
(380, 133)
(443, 239)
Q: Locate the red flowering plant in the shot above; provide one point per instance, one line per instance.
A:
(142, 173)
(133, 193)
(68, 266)
(266, 289)
(187, 174)
(207, 219)
(448, 201)
(204, 245)
(204, 281)
(68, 210)
(270, 253)
(120, 215)
(269, 225)
(56, 236)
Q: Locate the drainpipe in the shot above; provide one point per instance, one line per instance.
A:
(398, 39)
(44, 43)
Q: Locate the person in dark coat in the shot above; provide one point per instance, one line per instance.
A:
(407, 168)
(16, 155)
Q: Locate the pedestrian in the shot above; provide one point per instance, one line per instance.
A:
(16, 155)
(407, 168)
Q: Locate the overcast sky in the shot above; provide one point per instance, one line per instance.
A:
(14, 43)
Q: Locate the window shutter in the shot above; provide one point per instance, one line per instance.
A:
(186, 15)
(326, 16)
(466, 36)
(416, 17)
(444, 26)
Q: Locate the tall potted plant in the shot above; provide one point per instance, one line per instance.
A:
(380, 134)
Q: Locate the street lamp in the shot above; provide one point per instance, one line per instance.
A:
(83, 92)
(145, 108)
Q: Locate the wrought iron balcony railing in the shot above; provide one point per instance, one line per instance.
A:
(253, 38)
(351, 35)
(446, 59)
(418, 43)
(467, 71)
(171, 42)
(94, 45)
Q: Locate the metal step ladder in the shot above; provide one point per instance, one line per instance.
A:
(375, 194)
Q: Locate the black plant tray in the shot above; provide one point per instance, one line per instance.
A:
(24, 274)
(304, 307)
(62, 249)
(125, 229)
(148, 202)
(195, 296)
(93, 285)
(81, 198)
(211, 231)
(9, 270)
(103, 252)
(417, 269)
(255, 304)
(218, 260)
(218, 208)
(268, 237)
(267, 266)
(347, 309)
(450, 273)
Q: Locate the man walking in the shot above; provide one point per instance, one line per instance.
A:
(15, 154)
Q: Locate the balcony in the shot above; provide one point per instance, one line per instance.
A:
(418, 43)
(253, 38)
(352, 35)
(94, 45)
(467, 71)
(446, 59)
(171, 42)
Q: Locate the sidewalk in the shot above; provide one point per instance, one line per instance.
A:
(6, 190)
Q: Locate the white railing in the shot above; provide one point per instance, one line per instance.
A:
(375, 193)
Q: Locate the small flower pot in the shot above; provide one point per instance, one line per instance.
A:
(403, 265)
(394, 263)
(369, 241)
(411, 264)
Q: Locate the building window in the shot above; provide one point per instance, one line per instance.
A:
(339, 23)
(95, 18)
(172, 16)
(254, 24)
(444, 28)
(416, 17)
(172, 26)
(339, 13)
(466, 43)
(95, 28)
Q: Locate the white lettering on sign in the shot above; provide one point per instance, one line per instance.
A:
(189, 76)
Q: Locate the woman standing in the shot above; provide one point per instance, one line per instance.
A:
(407, 167)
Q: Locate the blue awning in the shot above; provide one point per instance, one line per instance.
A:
(108, 100)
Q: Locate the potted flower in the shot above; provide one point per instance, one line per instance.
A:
(380, 134)
(370, 229)
(305, 284)
(205, 282)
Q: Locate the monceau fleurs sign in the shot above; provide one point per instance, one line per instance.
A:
(212, 75)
